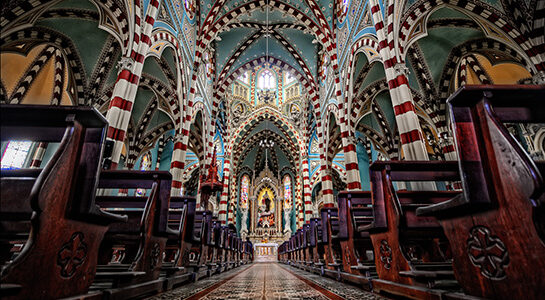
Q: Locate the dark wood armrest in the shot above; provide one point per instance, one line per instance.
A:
(170, 233)
(9, 289)
(98, 216)
(457, 206)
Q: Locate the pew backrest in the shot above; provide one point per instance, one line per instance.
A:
(478, 114)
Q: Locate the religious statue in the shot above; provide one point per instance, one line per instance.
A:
(287, 220)
(266, 213)
(244, 220)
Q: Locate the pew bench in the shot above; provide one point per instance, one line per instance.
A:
(331, 240)
(355, 219)
(176, 262)
(412, 252)
(502, 205)
(49, 220)
(130, 256)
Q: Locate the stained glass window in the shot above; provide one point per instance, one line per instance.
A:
(287, 191)
(146, 162)
(244, 183)
(266, 80)
(145, 165)
(15, 154)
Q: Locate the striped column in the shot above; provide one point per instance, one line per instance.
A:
(38, 155)
(327, 183)
(351, 161)
(126, 86)
(222, 214)
(306, 190)
(300, 213)
(231, 216)
(177, 164)
(412, 140)
(348, 140)
(181, 140)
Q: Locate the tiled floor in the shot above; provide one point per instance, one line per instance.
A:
(267, 281)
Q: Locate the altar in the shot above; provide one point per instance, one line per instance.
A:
(265, 252)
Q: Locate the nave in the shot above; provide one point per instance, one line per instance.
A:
(268, 281)
(153, 146)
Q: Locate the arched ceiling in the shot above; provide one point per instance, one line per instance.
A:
(243, 41)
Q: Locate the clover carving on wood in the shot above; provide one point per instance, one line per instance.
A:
(386, 254)
(487, 252)
(72, 255)
(155, 251)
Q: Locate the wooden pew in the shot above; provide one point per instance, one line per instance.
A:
(248, 250)
(301, 247)
(131, 254)
(223, 252)
(412, 252)
(298, 248)
(282, 252)
(331, 240)
(294, 253)
(229, 249)
(317, 246)
(233, 248)
(355, 218)
(307, 247)
(176, 262)
(290, 250)
(237, 251)
(213, 242)
(497, 226)
(52, 211)
(199, 248)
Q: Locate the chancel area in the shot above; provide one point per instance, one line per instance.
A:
(272, 149)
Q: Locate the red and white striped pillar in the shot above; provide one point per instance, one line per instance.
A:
(222, 213)
(38, 155)
(412, 139)
(327, 180)
(351, 161)
(126, 87)
(306, 189)
(177, 164)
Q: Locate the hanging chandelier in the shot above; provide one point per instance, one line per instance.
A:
(267, 142)
(267, 36)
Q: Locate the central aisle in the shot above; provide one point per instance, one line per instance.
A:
(267, 281)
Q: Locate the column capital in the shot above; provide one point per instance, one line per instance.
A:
(125, 63)
(401, 69)
(539, 78)
(351, 139)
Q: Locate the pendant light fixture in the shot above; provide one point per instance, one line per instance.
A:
(267, 142)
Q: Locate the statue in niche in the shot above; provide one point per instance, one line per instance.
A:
(244, 221)
(287, 220)
(266, 212)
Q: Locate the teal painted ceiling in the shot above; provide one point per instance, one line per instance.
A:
(258, 49)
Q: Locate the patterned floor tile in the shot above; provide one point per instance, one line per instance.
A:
(266, 281)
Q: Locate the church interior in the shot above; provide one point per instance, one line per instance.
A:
(272, 149)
